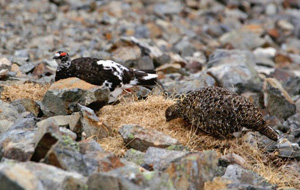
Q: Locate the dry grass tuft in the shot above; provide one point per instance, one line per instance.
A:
(217, 183)
(27, 90)
(150, 113)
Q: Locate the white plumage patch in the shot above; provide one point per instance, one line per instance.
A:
(150, 76)
(116, 68)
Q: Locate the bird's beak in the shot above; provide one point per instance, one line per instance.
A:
(56, 56)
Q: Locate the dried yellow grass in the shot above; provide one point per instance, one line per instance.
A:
(216, 184)
(150, 113)
(25, 90)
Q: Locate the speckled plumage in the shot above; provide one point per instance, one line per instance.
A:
(220, 112)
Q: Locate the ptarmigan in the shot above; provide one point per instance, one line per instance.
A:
(220, 112)
(102, 72)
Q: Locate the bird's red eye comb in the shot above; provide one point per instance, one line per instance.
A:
(63, 54)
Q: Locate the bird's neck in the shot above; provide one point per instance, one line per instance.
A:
(63, 63)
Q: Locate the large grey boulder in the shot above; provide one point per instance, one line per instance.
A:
(234, 69)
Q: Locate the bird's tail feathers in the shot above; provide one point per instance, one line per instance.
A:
(145, 79)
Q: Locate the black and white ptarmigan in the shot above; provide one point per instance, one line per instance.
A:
(104, 73)
(220, 113)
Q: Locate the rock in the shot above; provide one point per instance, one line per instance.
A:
(141, 92)
(282, 75)
(47, 135)
(5, 125)
(298, 105)
(30, 175)
(160, 159)
(71, 122)
(170, 7)
(5, 63)
(42, 70)
(242, 39)
(184, 48)
(140, 138)
(129, 177)
(135, 156)
(17, 177)
(271, 9)
(67, 132)
(196, 62)
(23, 53)
(254, 98)
(145, 63)
(292, 126)
(162, 59)
(90, 145)
(285, 25)
(17, 143)
(8, 114)
(234, 69)
(71, 183)
(28, 105)
(265, 56)
(287, 149)
(236, 13)
(169, 68)
(277, 100)
(63, 97)
(292, 86)
(91, 124)
(233, 158)
(193, 170)
(4, 74)
(27, 68)
(142, 31)
(241, 178)
(66, 154)
(188, 84)
(125, 54)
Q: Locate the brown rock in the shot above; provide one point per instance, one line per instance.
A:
(192, 171)
(169, 68)
(42, 70)
(126, 53)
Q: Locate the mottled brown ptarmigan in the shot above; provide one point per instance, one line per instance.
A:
(220, 112)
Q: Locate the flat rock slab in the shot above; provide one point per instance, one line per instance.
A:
(141, 139)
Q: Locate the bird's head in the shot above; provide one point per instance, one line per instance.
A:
(61, 57)
(172, 112)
